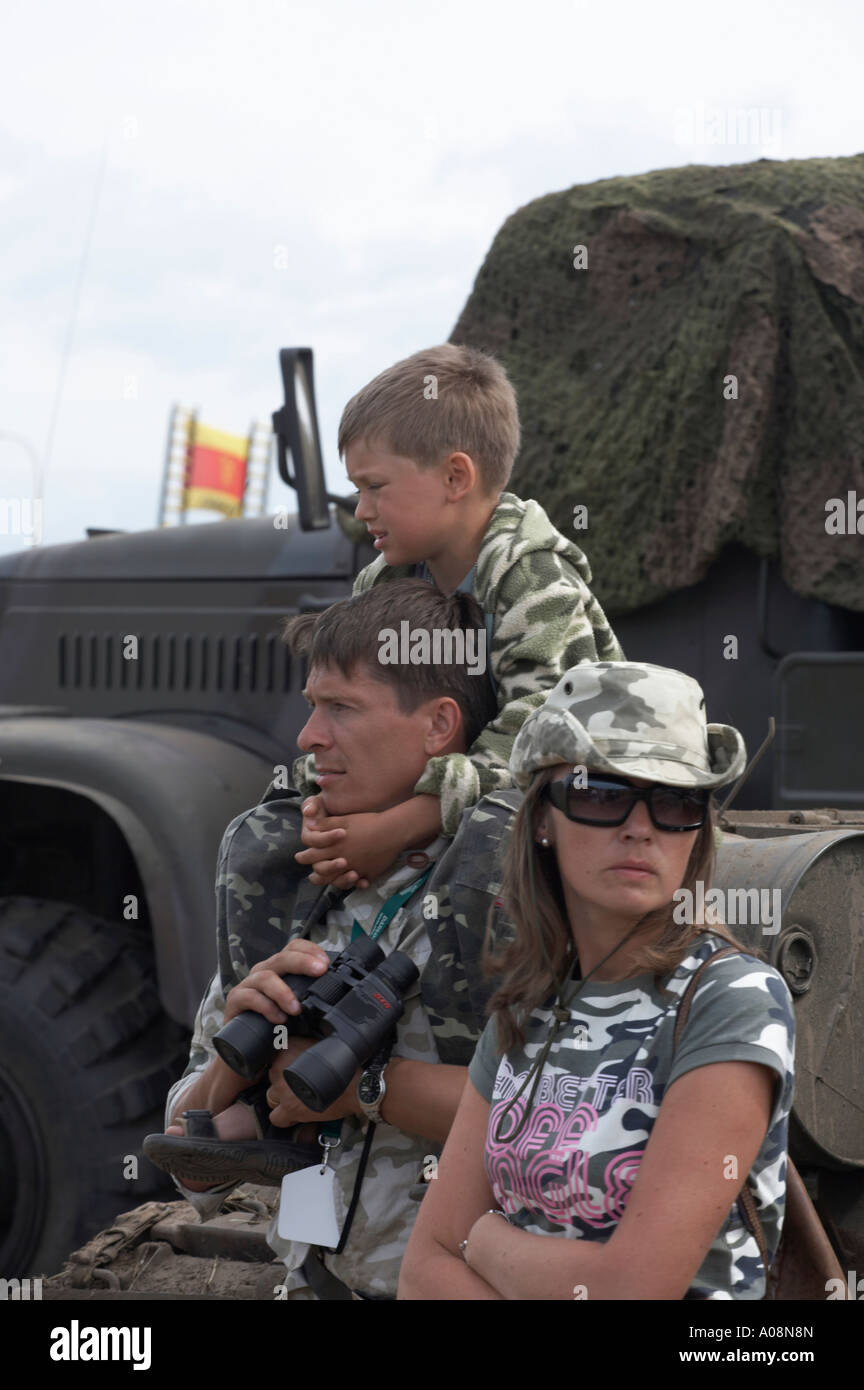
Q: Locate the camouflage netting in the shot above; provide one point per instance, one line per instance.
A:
(694, 274)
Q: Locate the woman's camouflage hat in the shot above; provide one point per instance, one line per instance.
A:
(631, 718)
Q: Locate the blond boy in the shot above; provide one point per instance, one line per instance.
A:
(429, 445)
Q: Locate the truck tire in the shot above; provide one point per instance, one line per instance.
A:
(87, 1056)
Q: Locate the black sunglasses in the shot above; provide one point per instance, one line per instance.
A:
(601, 800)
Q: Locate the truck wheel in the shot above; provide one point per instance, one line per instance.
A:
(87, 1056)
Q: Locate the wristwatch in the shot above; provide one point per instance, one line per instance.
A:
(371, 1089)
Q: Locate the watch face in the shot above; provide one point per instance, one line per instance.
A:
(369, 1087)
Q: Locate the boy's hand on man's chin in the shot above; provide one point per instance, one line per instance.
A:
(366, 844)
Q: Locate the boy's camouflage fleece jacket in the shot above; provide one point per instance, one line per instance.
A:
(534, 584)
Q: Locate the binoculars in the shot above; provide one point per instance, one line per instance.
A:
(351, 1008)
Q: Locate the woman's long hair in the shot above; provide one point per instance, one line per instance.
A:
(540, 956)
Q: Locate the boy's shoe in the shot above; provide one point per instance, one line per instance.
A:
(201, 1156)
(219, 1161)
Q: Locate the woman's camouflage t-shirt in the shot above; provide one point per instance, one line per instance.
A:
(571, 1169)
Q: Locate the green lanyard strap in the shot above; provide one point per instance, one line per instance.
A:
(390, 908)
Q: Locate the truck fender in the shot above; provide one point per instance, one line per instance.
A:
(171, 792)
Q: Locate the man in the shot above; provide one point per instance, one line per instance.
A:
(372, 729)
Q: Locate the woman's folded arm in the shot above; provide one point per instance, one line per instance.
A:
(433, 1266)
(681, 1197)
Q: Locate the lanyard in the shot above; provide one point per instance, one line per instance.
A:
(390, 908)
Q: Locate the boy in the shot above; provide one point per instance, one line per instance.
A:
(429, 445)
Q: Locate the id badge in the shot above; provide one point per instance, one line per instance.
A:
(307, 1206)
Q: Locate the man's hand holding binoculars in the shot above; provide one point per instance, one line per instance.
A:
(286, 1109)
(263, 991)
(266, 992)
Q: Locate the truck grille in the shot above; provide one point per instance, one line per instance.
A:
(251, 663)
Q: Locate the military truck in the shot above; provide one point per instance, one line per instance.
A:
(121, 763)
(146, 698)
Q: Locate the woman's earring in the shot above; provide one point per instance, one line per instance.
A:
(544, 842)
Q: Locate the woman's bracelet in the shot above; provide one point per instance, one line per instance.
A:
(492, 1211)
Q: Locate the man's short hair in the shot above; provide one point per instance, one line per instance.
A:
(349, 633)
(439, 401)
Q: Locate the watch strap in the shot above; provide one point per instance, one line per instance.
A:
(377, 1065)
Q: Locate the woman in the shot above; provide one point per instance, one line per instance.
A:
(580, 1118)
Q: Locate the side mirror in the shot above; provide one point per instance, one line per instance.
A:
(296, 428)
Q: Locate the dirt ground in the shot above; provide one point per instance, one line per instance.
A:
(162, 1250)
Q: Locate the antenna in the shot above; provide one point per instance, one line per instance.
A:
(39, 479)
(757, 756)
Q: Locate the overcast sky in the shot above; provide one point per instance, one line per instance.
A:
(272, 174)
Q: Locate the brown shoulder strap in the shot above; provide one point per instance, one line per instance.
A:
(687, 997)
(746, 1203)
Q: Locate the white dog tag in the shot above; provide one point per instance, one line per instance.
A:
(307, 1207)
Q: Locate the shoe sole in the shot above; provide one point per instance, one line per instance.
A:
(218, 1161)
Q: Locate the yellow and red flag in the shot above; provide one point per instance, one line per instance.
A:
(215, 470)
